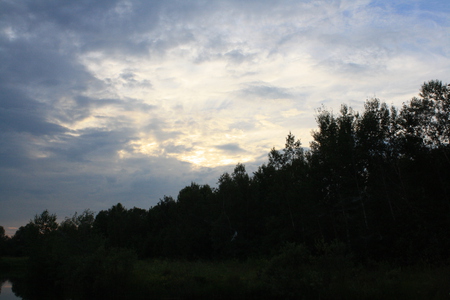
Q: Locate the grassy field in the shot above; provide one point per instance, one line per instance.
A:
(200, 279)
(383, 281)
(249, 280)
(269, 279)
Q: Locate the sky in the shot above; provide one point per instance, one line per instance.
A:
(126, 101)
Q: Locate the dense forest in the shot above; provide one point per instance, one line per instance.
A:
(372, 186)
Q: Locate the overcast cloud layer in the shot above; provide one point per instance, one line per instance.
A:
(127, 101)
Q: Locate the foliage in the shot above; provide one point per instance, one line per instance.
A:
(104, 274)
(4, 240)
(180, 279)
(297, 273)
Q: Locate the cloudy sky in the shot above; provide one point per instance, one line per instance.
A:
(127, 101)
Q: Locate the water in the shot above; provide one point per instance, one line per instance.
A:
(6, 292)
(19, 289)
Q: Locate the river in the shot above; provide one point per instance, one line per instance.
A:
(20, 289)
(6, 292)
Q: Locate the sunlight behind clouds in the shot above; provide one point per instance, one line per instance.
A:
(196, 101)
(201, 75)
(129, 100)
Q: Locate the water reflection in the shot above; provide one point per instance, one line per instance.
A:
(20, 288)
(6, 292)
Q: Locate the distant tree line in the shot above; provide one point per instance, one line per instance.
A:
(377, 182)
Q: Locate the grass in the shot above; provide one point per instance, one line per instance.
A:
(200, 279)
(165, 279)
(233, 279)
(13, 267)
(390, 282)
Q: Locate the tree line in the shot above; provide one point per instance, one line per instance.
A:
(377, 181)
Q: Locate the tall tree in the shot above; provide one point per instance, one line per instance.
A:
(428, 116)
(3, 241)
(195, 212)
(45, 222)
(335, 170)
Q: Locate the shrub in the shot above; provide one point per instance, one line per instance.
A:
(292, 274)
(296, 273)
(105, 274)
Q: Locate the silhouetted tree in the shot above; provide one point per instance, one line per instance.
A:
(3, 241)
(45, 222)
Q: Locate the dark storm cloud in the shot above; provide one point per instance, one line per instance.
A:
(91, 144)
(38, 63)
(20, 114)
(27, 121)
(43, 164)
(40, 73)
(13, 150)
(33, 77)
(93, 25)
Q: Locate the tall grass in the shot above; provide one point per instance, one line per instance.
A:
(166, 279)
(201, 279)
(385, 281)
(293, 274)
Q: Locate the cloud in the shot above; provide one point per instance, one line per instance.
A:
(91, 144)
(24, 121)
(92, 26)
(132, 82)
(231, 148)
(126, 100)
(21, 114)
(265, 92)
